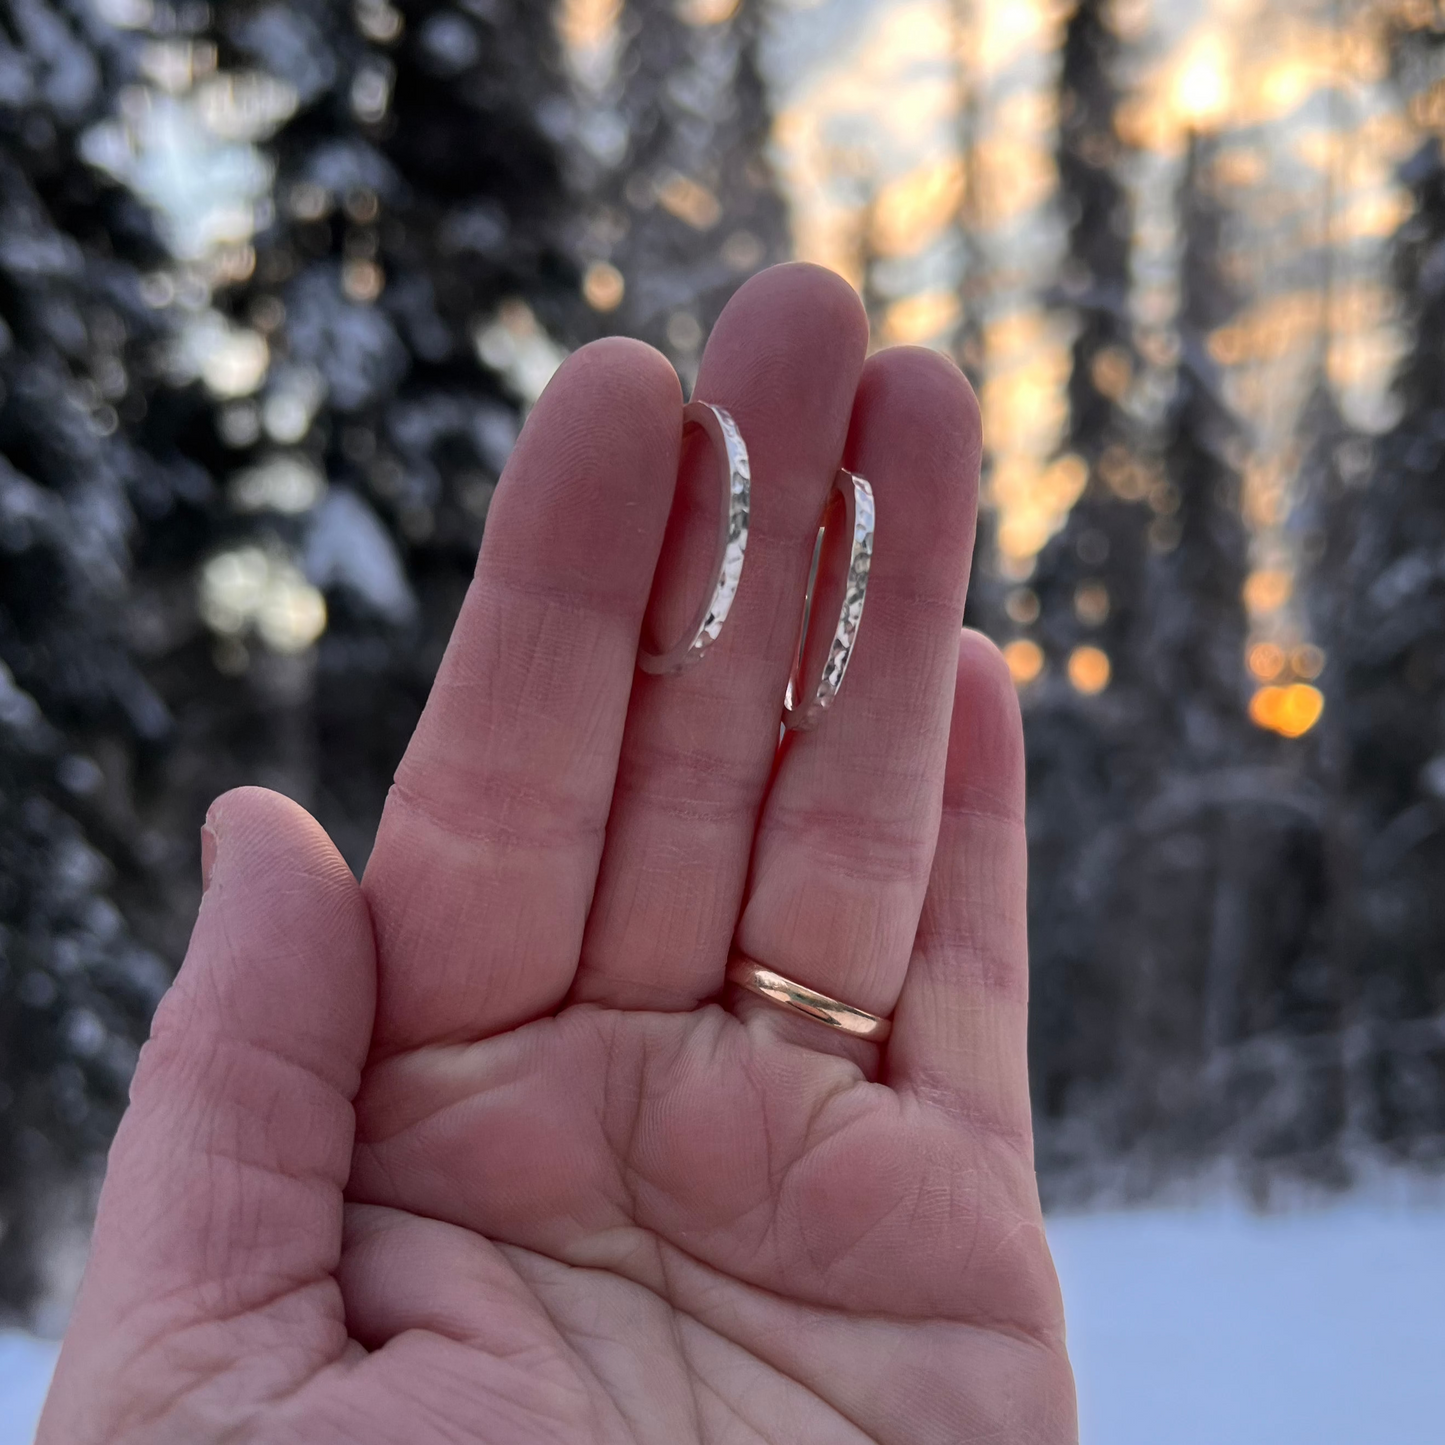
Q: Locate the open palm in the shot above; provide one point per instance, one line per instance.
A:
(482, 1150)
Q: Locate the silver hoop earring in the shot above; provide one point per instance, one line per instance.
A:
(727, 441)
(800, 712)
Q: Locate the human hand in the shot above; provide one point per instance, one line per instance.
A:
(481, 1150)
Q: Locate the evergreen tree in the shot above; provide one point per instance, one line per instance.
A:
(1086, 593)
(78, 719)
(1380, 600)
(419, 210)
(1231, 1040)
(1177, 875)
(668, 171)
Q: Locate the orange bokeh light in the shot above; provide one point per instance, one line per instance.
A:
(1089, 669)
(1266, 661)
(1268, 590)
(1290, 711)
(603, 286)
(1025, 660)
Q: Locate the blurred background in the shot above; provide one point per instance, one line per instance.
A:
(278, 282)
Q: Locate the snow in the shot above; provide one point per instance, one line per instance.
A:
(349, 547)
(25, 1366)
(1215, 1325)
(1194, 1327)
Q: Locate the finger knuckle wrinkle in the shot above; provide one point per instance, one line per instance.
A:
(858, 847)
(983, 809)
(560, 595)
(939, 1092)
(478, 814)
(971, 957)
(689, 785)
(919, 622)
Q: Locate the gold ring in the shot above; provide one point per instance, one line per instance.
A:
(764, 982)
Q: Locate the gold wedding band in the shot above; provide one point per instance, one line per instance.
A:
(855, 1022)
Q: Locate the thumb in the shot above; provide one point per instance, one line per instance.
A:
(209, 1288)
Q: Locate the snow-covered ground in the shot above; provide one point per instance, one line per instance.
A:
(1219, 1327)
(25, 1366)
(1201, 1327)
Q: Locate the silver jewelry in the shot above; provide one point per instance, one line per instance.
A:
(707, 622)
(800, 713)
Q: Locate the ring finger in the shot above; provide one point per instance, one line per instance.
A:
(846, 837)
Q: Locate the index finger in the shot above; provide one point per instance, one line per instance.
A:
(486, 857)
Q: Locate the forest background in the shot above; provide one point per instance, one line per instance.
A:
(279, 281)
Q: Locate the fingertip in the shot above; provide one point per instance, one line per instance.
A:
(284, 939)
(270, 832)
(986, 745)
(609, 419)
(250, 805)
(794, 335)
(613, 393)
(981, 663)
(930, 406)
(800, 291)
(914, 434)
(620, 368)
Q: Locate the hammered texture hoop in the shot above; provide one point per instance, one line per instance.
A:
(727, 442)
(802, 712)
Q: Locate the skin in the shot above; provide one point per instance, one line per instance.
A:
(483, 1149)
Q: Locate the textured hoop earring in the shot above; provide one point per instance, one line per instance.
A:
(802, 713)
(727, 441)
